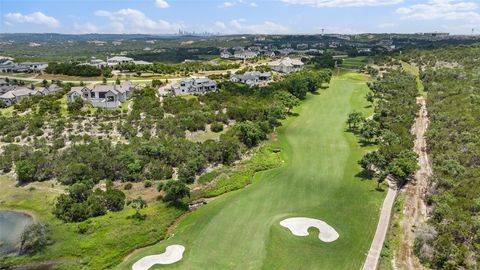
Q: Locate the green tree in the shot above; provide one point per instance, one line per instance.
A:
(34, 238)
(175, 191)
(354, 119)
(249, 133)
(138, 204)
(26, 171)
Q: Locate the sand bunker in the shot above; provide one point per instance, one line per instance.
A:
(171, 255)
(299, 227)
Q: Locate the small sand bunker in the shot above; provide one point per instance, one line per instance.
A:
(299, 227)
(171, 255)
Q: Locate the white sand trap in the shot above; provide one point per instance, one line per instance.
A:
(173, 254)
(299, 227)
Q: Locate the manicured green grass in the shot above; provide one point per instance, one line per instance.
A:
(240, 230)
(353, 62)
(414, 70)
(108, 240)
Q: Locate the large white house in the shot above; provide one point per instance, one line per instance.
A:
(194, 86)
(252, 78)
(102, 96)
(244, 54)
(286, 65)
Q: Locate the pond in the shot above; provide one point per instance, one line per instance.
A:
(12, 225)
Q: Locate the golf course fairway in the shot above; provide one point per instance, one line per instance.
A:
(241, 230)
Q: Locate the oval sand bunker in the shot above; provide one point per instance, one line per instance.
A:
(171, 255)
(299, 227)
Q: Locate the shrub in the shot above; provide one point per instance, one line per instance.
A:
(33, 238)
(216, 127)
(147, 184)
(128, 186)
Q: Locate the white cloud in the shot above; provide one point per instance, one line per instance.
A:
(227, 4)
(161, 4)
(240, 26)
(85, 28)
(442, 9)
(134, 21)
(386, 25)
(33, 18)
(220, 25)
(232, 3)
(343, 3)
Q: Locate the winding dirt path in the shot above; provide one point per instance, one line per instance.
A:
(415, 210)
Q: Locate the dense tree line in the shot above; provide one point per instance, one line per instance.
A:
(181, 68)
(394, 96)
(73, 69)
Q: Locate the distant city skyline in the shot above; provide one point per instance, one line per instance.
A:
(239, 16)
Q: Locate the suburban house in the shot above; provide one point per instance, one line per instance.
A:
(225, 54)
(16, 94)
(243, 54)
(194, 86)
(116, 60)
(7, 65)
(269, 54)
(286, 65)
(102, 96)
(49, 90)
(252, 78)
(111, 62)
(35, 66)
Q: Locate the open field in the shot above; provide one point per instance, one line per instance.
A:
(241, 229)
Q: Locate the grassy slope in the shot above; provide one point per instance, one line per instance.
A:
(109, 239)
(414, 70)
(241, 230)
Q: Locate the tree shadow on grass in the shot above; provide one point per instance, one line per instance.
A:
(364, 143)
(179, 205)
(365, 175)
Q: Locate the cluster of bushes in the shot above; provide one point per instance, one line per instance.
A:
(394, 96)
(82, 203)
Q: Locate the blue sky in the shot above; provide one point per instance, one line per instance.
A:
(239, 16)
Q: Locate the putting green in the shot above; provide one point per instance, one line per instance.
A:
(241, 230)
